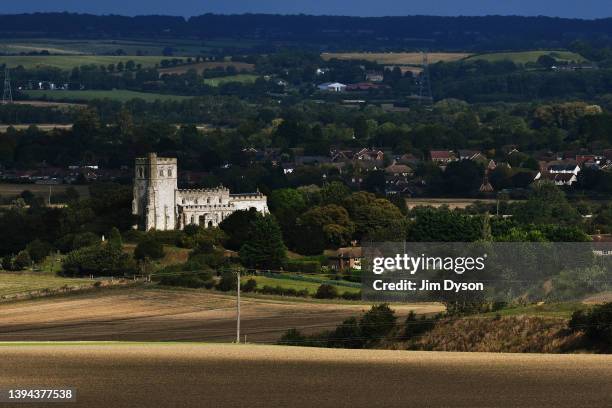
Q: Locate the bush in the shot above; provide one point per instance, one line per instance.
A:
(38, 250)
(228, 282)
(377, 323)
(150, 248)
(326, 291)
(596, 324)
(98, 260)
(7, 263)
(249, 286)
(22, 261)
(185, 280)
(292, 337)
(416, 327)
(351, 295)
(307, 266)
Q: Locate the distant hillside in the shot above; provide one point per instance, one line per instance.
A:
(329, 32)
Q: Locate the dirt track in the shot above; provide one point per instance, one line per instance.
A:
(153, 314)
(200, 375)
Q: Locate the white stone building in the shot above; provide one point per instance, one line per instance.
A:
(162, 206)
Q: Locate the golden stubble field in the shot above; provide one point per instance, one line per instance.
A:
(154, 314)
(396, 58)
(206, 375)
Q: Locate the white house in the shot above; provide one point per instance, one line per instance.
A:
(332, 87)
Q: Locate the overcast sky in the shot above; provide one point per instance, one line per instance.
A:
(558, 8)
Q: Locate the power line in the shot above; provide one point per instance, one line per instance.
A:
(7, 94)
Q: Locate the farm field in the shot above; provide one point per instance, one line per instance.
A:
(118, 95)
(20, 282)
(67, 62)
(40, 126)
(152, 313)
(528, 56)
(201, 66)
(180, 47)
(243, 78)
(206, 375)
(396, 58)
(13, 190)
(311, 287)
(452, 203)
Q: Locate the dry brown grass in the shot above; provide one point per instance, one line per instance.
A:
(396, 58)
(517, 334)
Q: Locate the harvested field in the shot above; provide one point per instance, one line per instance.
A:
(205, 375)
(154, 314)
(452, 203)
(396, 58)
(41, 126)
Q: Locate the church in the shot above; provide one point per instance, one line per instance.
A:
(161, 205)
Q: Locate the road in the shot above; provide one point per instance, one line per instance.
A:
(207, 375)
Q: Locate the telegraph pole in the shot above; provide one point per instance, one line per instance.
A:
(7, 94)
(238, 307)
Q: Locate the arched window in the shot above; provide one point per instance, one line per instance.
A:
(210, 224)
(161, 173)
(208, 200)
(196, 201)
(140, 172)
(193, 219)
(169, 172)
(220, 200)
(183, 201)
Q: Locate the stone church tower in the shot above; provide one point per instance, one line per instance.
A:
(160, 205)
(154, 189)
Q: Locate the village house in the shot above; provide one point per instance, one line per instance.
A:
(332, 87)
(442, 157)
(560, 173)
(346, 258)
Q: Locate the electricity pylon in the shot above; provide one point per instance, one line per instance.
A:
(7, 94)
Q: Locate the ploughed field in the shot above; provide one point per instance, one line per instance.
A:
(215, 375)
(155, 314)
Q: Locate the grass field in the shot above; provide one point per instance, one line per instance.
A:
(311, 287)
(121, 95)
(13, 190)
(67, 62)
(243, 78)
(396, 58)
(226, 375)
(528, 56)
(201, 66)
(12, 282)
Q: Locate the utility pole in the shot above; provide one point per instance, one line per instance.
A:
(7, 94)
(238, 307)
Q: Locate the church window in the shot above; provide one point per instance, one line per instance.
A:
(169, 172)
(208, 200)
(161, 173)
(140, 171)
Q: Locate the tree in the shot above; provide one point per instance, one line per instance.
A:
(150, 248)
(323, 227)
(98, 260)
(546, 204)
(443, 225)
(22, 260)
(38, 250)
(237, 226)
(326, 291)
(264, 247)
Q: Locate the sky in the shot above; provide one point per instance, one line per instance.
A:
(557, 8)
